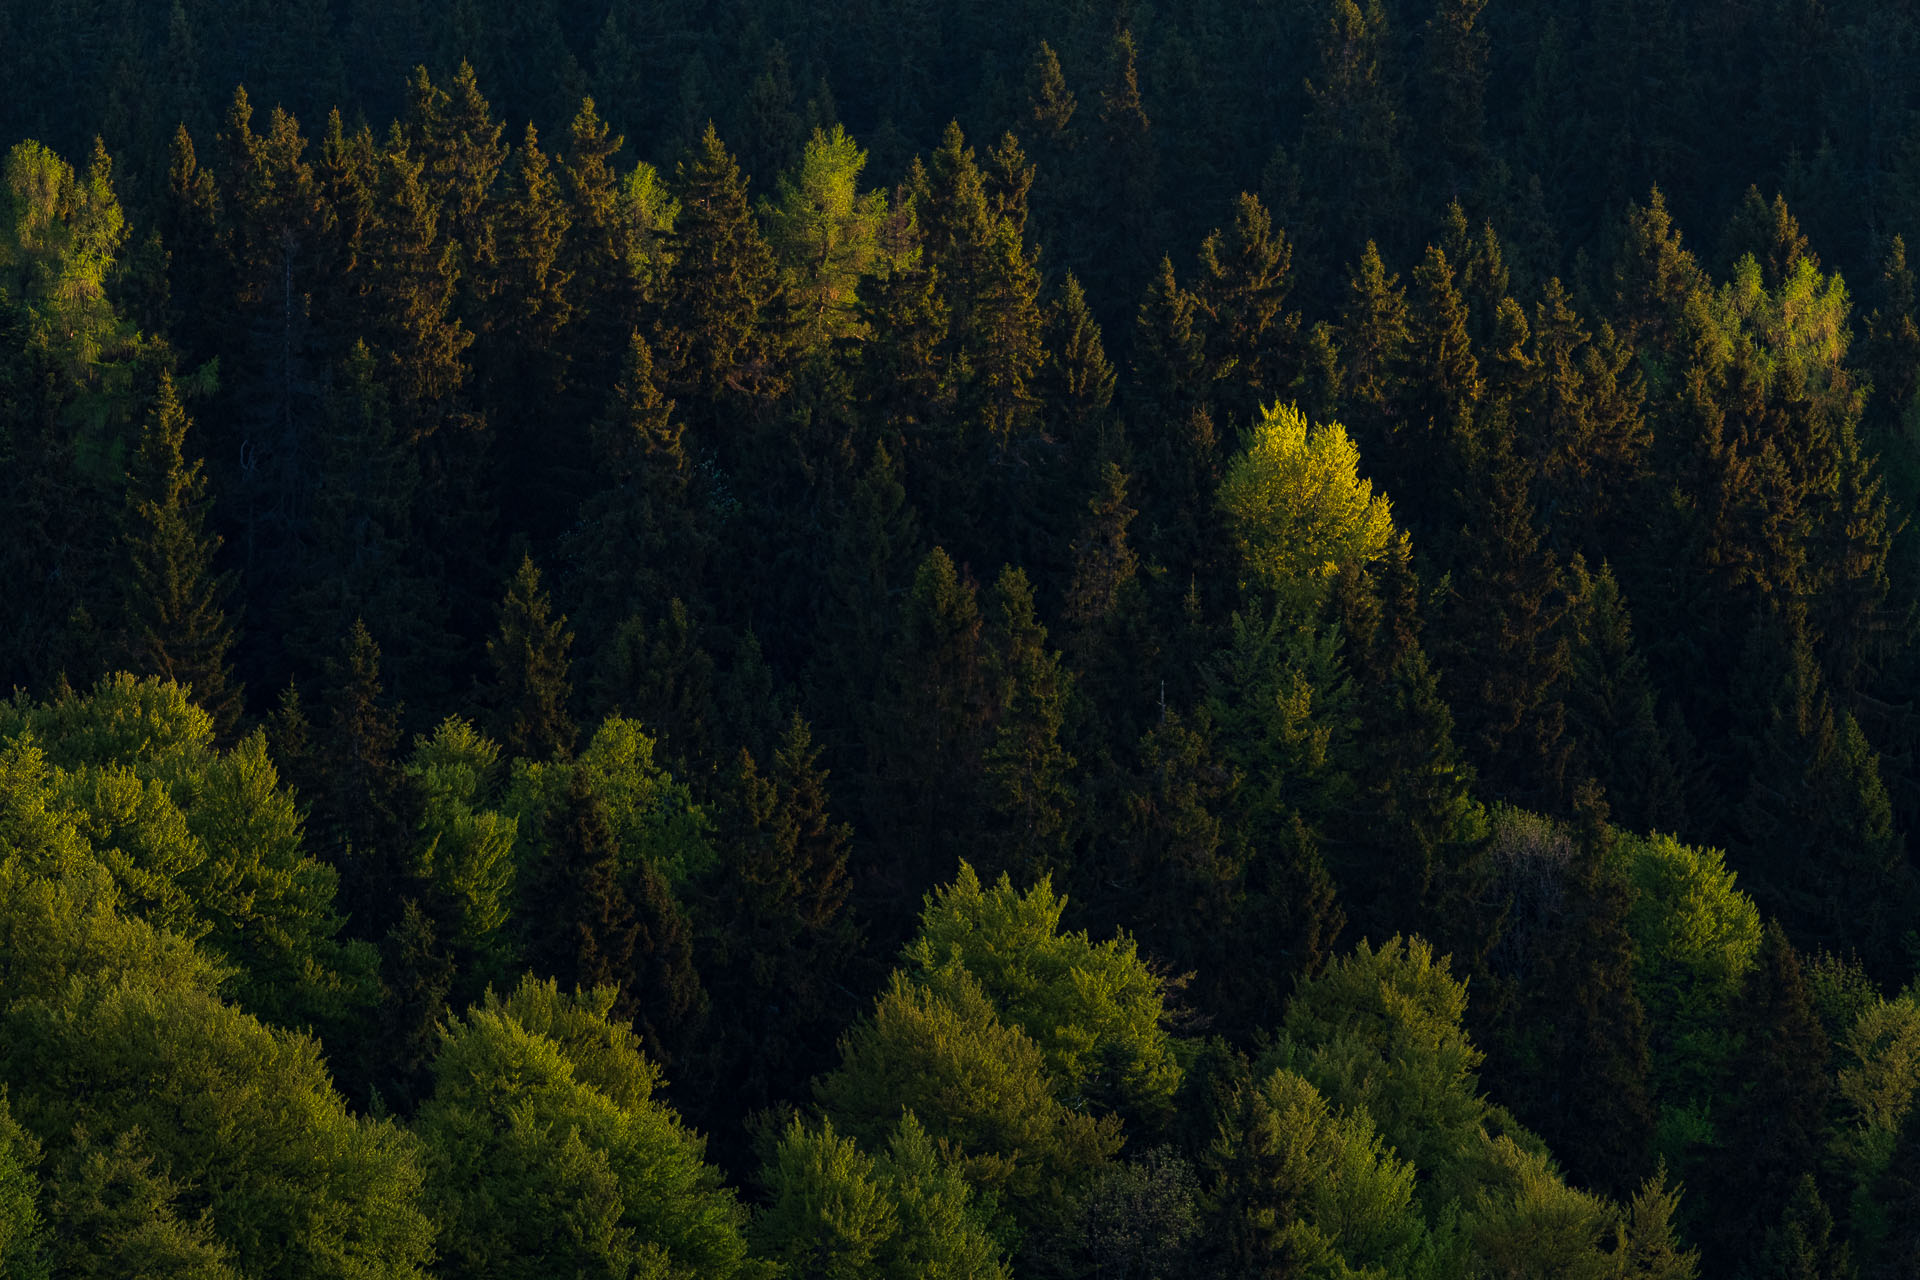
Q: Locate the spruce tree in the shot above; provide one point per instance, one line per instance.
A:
(418, 975)
(581, 926)
(1351, 137)
(1508, 650)
(1814, 828)
(176, 624)
(1244, 288)
(778, 952)
(1801, 1245)
(924, 735)
(1773, 1115)
(1611, 711)
(1373, 340)
(669, 1004)
(1589, 1095)
(1444, 391)
(360, 808)
(715, 341)
(1451, 95)
(1076, 386)
(1028, 770)
(529, 658)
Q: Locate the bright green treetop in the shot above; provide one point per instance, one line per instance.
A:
(1300, 510)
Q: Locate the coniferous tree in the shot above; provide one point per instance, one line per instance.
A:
(530, 663)
(1244, 288)
(1814, 787)
(418, 975)
(1589, 1094)
(925, 734)
(1028, 770)
(1121, 207)
(1445, 388)
(777, 957)
(1452, 98)
(360, 806)
(176, 622)
(1776, 1097)
(670, 1004)
(716, 344)
(1611, 713)
(581, 926)
(1078, 383)
(1350, 140)
(1508, 647)
(1372, 340)
(1802, 1243)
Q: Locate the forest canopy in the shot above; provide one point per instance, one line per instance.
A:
(981, 641)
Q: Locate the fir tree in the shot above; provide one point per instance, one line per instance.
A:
(715, 338)
(669, 1004)
(1077, 384)
(1776, 1098)
(359, 810)
(418, 975)
(1452, 97)
(783, 939)
(1027, 768)
(529, 658)
(1244, 287)
(925, 734)
(176, 625)
(1589, 1096)
(1350, 140)
(1611, 712)
(1801, 1246)
(1373, 341)
(582, 928)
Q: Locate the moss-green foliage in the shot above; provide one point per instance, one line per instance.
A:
(1313, 1184)
(203, 843)
(1382, 1029)
(1094, 1009)
(546, 1151)
(978, 1084)
(1695, 937)
(465, 851)
(825, 232)
(114, 1027)
(839, 1214)
(23, 1240)
(654, 817)
(1300, 509)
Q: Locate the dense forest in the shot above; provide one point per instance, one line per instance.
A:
(989, 640)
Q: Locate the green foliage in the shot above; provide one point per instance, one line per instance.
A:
(1300, 1181)
(1382, 1029)
(1095, 1010)
(466, 844)
(59, 234)
(113, 1026)
(1300, 509)
(653, 816)
(544, 1147)
(22, 1225)
(826, 233)
(839, 1214)
(978, 1084)
(177, 626)
(204, 843)
(1695, 936)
